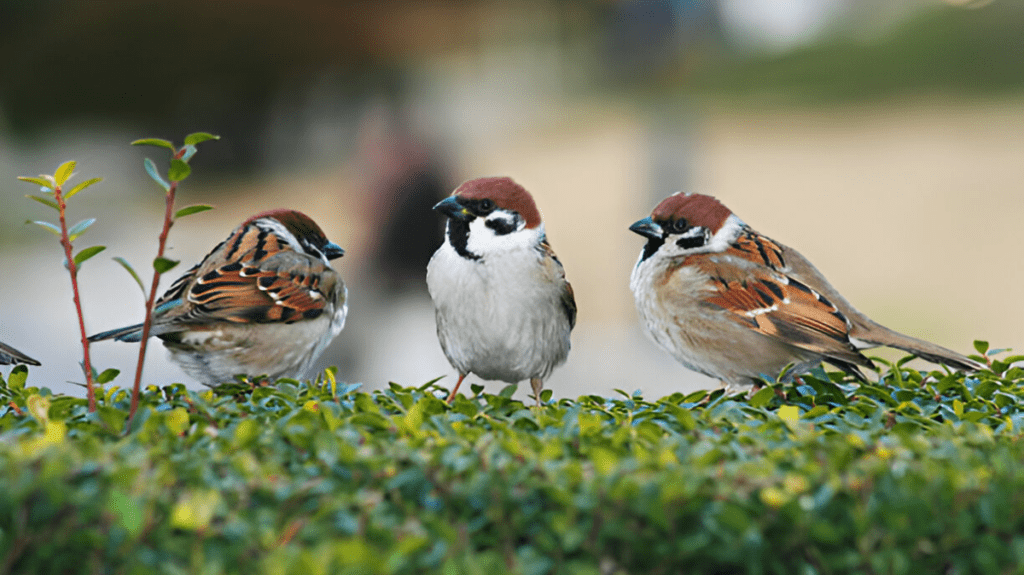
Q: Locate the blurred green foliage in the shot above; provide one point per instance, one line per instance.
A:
(917, 473)
(943, 49)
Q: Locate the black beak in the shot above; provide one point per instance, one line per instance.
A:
(451, 207)
(647, 228)
(333, 250)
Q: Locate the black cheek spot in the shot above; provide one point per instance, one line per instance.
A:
(501, 226)
(690, 243)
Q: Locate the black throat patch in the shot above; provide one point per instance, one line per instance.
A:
(652, 246)
(458, 235)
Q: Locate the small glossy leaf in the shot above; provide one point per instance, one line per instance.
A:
(155, 142)
(107, 376)
(128, 267)
(164, 265)
(153, 173)
(46, 226)
(199, 137)
(80, 227)
(981, 346)
(43, 200)
(37, 181)
(81, 187)
(189, 210)
(762, 397)
(87, 253)
(64, 172)
(178, 171)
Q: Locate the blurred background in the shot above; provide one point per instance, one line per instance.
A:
(884, 140)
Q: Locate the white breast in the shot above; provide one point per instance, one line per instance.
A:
(499, 317)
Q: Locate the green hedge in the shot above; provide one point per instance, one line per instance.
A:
(920, 473)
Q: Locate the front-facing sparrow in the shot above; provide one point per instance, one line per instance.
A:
(9, 355)
(264, 302)
(504, 309)
(735, 305)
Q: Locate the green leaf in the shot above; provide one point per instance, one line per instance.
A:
(762, 397)
(178, 171)
(128, 267)
(46, 226)
(80, 227)
(37, 181)
(43, 200)
(189, 210)
(155, 142)
(81, 187)
(164, 265)
(87, 253)
(18, 377)
(153, 173)
(107, 376)
(981, 346)
(64, 172)
(199, 137)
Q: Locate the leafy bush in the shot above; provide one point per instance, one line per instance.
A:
(919, 473)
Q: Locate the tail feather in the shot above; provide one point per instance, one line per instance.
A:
(881, 335)
(131, 334)
(9, 355)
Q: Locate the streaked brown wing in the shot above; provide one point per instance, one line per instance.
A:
(285, 287)
(777, 306)
(568, 296)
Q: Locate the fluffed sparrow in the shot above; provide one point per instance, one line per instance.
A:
(9, 355)
(504, 309)
(264, 302)
(732, 304)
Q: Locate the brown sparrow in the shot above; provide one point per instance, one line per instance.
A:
(504, 309)
(264, 302)
(9, 355)
(735, 305)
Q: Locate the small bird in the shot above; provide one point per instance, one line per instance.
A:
(9, 355)
(503, 307)
(735, 305)
(264, 302)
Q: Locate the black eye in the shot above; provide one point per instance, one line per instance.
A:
(486, 206)
(680, 225)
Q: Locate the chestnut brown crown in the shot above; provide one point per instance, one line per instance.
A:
(696, 209)
(505, 193)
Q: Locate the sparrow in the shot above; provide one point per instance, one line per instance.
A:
(735, 305)
(264, 302)
(503, 307)
(9, 355)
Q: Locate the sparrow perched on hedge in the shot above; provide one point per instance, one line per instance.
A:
(504, 309)
(265, 301)
(735, 305)
(9, 355)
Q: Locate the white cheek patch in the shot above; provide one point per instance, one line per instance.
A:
(484, 239)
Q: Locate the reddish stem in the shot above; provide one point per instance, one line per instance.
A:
(147, 324)
(65, 241)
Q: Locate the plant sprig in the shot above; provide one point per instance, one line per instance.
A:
(177, 171)
(52, 186)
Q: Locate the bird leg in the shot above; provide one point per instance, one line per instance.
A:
(538, 386)
(451, 396)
